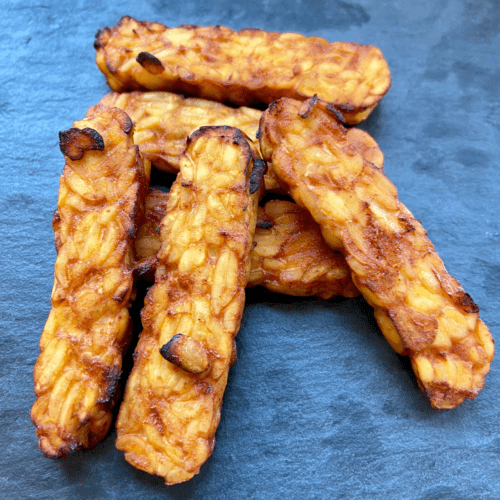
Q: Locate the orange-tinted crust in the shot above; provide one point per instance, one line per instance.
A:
(246, 67)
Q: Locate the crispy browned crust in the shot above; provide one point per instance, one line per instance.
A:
(147, 242)
(246, 67)
(167, 421)
(163, 121)
(101, 195)
(289, 255)
(422, 311)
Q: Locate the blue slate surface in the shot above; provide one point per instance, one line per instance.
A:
(317, 405)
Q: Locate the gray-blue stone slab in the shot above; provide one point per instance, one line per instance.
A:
(317, 405)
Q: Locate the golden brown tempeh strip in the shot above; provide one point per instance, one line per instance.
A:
(163, 122)
(246, 67)
(290, 255)
(171, 410)
(101, 195)
(422, 311)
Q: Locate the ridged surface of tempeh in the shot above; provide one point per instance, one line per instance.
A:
(422, 311)
(246, 67)
(167, 421)
(100, 201)
(290, 255)
(163, 121)
(147, 241)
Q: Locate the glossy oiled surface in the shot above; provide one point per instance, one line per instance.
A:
(317, 404)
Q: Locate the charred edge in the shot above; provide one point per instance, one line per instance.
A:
(144, 269)
(257, 174)
(336, 113)
(132, 228)
(126, 123)
(169, 352)
(219, 129)
(112, 377)
(189, 26)
(347, 107)
(97, 44)
(99, 41)
(272, 106)
(120, 297)
(186, 184)
(264, 224)
(63, 451)
(186, 353)
(85, 421)
(150, 63)
(75, 142)
(56, 218)
(307, 106)
(466, 302)
(224, 132)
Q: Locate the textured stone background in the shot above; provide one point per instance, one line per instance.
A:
(318, 405)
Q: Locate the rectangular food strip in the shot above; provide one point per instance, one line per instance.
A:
(101, 196)
(289, 255)
(422, 311)
(246, 67)
(171, 409)
(163, 122)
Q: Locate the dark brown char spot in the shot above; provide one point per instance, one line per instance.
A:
(336, 113)
(150, 63)
(74, 142)
(307, 106)
(259, 167)
(264, 224)
(186, 353)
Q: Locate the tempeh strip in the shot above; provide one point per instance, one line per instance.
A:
(163, 121)
(246, 67)
(422, 311)
(171, 409)
(101, 194)
(289, 256)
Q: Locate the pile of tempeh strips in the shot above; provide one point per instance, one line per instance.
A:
(344, 233)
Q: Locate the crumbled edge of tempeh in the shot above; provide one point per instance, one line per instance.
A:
(247, 67)
(422, 311)
(100, 203)
(168, 418)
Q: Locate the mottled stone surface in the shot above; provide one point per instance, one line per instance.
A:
(318, 405)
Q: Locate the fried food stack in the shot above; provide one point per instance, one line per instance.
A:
(289, 255)
(344, 233)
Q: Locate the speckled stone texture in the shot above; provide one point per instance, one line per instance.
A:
(317, 405)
